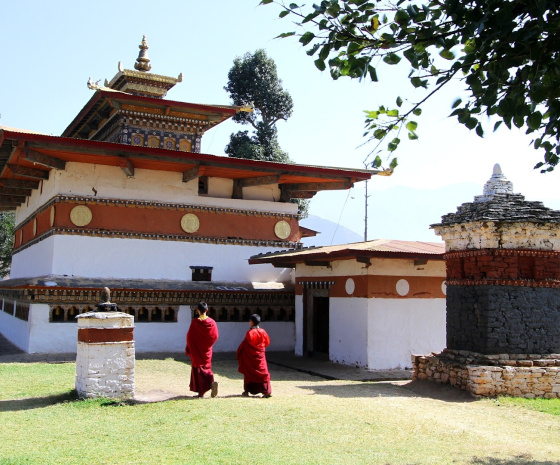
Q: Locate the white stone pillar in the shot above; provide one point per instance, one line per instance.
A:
(105, 355)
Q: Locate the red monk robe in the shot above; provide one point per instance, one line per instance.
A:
(252, 362)
(201, 336)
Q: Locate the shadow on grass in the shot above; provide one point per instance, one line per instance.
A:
(37, 402)
(385, 389)
(520, 459)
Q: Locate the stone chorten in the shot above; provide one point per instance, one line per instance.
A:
(503, 290)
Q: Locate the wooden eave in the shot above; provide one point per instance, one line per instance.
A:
(28, 158)
(114, 99)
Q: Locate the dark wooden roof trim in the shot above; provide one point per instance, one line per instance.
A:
(40, 141)
(191, 174)
(19, 183)
(259, 180)
(26, 172)
(347, 254)
(14, 191)
(11, 199)
(115, 99)
(42, 159)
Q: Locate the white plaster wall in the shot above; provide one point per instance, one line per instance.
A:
(163, 337)
(269, 192)
(299, 325)
(398, 328)
(80, 179)
(231, 334)
(36, 260)
(48, 337)
(140, 259)
(13, 329)
(40, 336)
(171, 337)
(348, 331)
(379, 267)
(219, 187)
(337, 268)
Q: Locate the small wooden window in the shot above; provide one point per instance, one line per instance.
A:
(202, 273)
(203, 185)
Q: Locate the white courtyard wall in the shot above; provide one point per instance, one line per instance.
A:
(348, 331)
(398, 328)
(39, 336)
(14, 329)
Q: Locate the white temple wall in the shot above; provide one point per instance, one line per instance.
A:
(97, 257)
(39, 336)
(36, 260)
(48, 337)
(378, 267)
(399, 328)
(81, 179)
(14, 329)
(171, 337)
(348, 331)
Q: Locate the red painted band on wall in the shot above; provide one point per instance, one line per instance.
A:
(379, 286)
(500, 264)
(93, 335)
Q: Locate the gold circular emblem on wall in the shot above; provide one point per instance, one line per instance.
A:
(81, 215)
(282, 229)
(34, 227)
(52, 216)
(190, 223)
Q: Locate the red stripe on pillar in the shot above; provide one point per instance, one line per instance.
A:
(92, 335)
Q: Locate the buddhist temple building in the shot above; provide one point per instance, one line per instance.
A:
(369, 304)
(124, 198)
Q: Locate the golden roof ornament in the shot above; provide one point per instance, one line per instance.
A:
(143, 62)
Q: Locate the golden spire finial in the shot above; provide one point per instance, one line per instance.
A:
(143, 62)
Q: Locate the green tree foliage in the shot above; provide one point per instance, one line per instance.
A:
(6, 242)
(505, 52)
(253, 80)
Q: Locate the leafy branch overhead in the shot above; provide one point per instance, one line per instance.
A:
(505, 52)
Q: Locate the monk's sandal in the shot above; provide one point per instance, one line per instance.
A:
(214, 391)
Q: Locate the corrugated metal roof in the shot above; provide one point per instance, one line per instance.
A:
(375, 248)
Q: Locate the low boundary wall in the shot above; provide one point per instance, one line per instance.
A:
(520, 375)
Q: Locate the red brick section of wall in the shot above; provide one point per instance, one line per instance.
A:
(503, 264)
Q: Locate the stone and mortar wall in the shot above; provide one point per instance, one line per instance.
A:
(520, 375)
(503, 319)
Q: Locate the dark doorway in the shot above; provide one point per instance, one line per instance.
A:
(321, 325)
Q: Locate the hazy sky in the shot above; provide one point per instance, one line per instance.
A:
(51, 49)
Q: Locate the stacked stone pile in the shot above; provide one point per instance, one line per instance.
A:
(522, 375)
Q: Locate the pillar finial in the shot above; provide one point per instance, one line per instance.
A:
(498, 184)
(143, 62)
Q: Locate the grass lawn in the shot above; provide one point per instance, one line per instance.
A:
(308, 420)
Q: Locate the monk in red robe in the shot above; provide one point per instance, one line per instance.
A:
(201, 336)
(252, 360)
